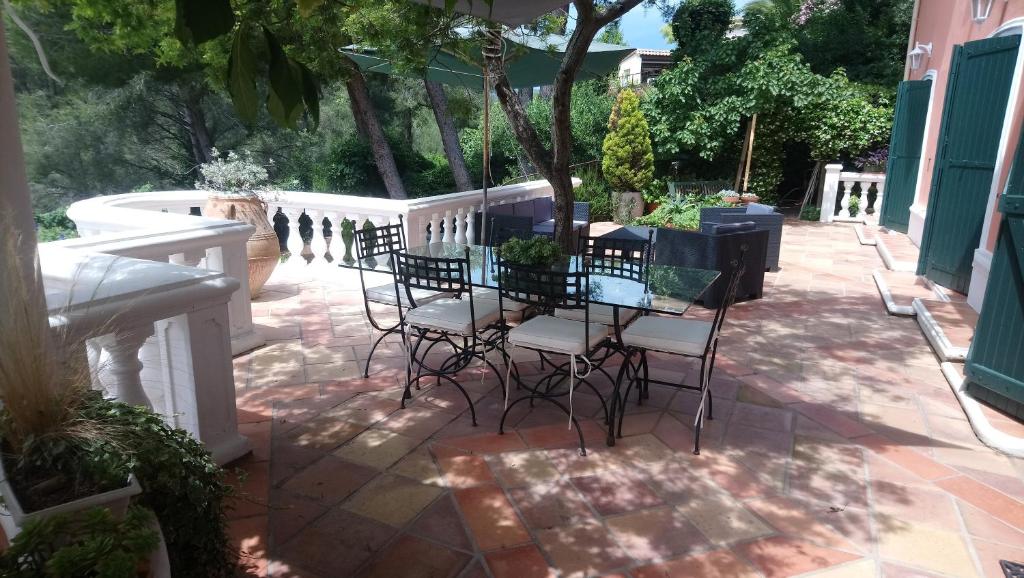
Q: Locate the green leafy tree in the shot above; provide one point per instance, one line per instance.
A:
(698, 25)
(628, 161)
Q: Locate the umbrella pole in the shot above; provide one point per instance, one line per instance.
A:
(487, 154)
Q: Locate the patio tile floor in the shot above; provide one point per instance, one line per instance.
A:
(837, 450)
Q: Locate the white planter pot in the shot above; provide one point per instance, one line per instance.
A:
(13, 518)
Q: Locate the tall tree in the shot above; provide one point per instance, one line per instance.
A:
(553, 162)
(449, 135)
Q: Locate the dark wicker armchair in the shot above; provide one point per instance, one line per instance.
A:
(711, 216)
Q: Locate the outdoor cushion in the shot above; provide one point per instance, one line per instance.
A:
(385, 294)
(452, 315)
(603, 314)
(490, 294)
(668, 334)
(759, 209)
(557, 335)
(726, 228)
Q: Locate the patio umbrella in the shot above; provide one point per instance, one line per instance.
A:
(529, 61)
(509, 12)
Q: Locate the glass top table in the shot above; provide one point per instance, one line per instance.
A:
(669, 289)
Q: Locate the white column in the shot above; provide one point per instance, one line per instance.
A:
(123, 346)
(460, 227)
(198, 379)
(14, 195)
(470, 225)
(435, 228)
(448, 228)
(829, 192)
(233, 262)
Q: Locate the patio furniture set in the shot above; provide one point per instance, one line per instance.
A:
(617, 298)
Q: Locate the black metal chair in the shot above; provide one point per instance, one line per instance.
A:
(374, 247)
(548, 290)
(685, 337)
(470, 327)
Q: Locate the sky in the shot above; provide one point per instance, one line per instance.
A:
(642, 27)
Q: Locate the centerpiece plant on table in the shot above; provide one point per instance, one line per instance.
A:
(537, 251)
(85, 480)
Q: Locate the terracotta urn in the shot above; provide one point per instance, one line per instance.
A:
(263, 247)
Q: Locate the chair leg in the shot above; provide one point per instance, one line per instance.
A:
(373, 347)
(615, 401)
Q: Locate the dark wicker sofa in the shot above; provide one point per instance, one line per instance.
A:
(711, 216)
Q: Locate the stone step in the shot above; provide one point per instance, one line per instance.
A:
(899, 289)
(948, 325)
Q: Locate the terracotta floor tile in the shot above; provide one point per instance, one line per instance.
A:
(863, 568)
(779, 557)
(917, 504)
(723, 519)
(717, 564)
(441, 522)
(559, 435)
(612, 494)
(655, 534)
(465, 470)
(522, 562)
(290, 513)
(415, 422)
(924, 547)
(377, 448)
(523, 468)
(329, 480)
(990, 553)
(551, 505)
(796, 521)
(582, 549)
(763, 417)
(492, 521)
(488, 443)
(419, 465)
(412, 557)
(392, 500)
(988, 527)
(977, 494)
(249, 537)
(336, 545)
(324, 433)
(907, 458)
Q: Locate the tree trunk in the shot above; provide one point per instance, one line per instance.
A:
(449, 136)
(362, 109)
(357, 113)
(195, 124)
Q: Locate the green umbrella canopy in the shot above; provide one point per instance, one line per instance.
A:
(530, 61)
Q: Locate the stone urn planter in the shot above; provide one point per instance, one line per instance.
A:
(628, 205)
(263, 247)
(234, 182)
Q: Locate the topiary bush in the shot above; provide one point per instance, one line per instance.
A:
(628, 161)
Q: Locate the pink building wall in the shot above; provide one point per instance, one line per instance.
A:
(946, 23)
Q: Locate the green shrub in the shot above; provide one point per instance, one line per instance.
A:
(854, 205)
(628, 161)
(536, 251)
(681, 213)
(810, 213)
(596, 191)
(88, 543)
(434, 178)
(54, 226)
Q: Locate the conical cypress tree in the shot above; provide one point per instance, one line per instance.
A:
(628, 162)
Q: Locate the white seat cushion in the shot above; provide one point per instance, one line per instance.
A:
(557, 335)
(452, 315)
(603, 314)
(385, 294)
(492, 295)
(668, 334)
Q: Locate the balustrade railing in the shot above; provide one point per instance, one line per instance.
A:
(842, 187)
(155, 334)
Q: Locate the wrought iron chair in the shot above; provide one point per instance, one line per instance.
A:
(548, 290)
(470, 327)
(374, 247)
(691, 338)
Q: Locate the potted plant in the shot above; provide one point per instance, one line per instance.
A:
(68, 452)
(729, 196)
(540, 252)
(235, 184)
(747, 198)
(854, 205)
(654, 195)
(628, 157)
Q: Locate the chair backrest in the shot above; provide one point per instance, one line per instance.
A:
(546, 289)
(378, 241)
(730, 297)
(441, 274)
(505, 227)
(581, 211)
(617, 256)
(543, 209)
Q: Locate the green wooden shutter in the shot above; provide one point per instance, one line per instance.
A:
(975, 107)
(996, 359)
(905, 153)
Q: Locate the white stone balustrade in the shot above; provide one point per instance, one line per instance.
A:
(155, 334)
(840, 186)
